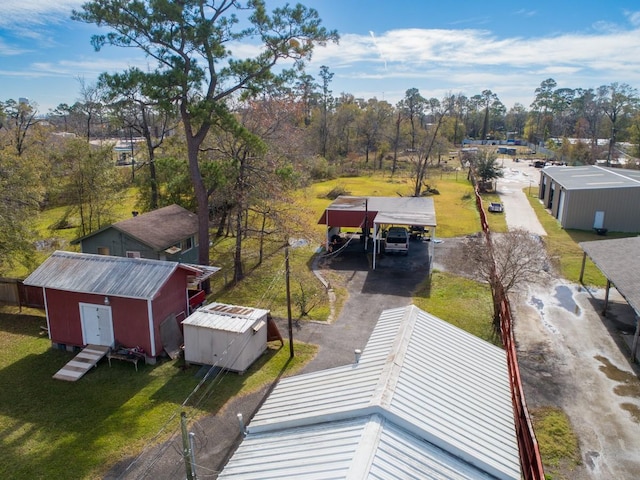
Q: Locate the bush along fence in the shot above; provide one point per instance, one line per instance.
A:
(530, 460)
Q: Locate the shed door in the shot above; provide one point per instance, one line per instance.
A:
(97, 327)
(598, 221)
(561, 206)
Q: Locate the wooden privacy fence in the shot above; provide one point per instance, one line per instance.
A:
(14, 292)
(530, 460)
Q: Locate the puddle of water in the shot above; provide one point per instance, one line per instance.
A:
(634, 410)
(536, 302)
(564, 295)
(539, 305)
(629, 383)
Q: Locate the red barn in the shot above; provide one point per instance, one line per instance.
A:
(104, 300)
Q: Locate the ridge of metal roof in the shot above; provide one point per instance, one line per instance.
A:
(423, 376)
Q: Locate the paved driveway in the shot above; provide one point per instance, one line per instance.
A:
(517, 210)
(572, 357)
(370, 292)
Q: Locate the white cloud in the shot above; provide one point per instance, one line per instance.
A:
(634, 18)
(18, 13)
(471, 60)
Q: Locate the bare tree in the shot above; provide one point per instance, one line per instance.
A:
(89, 105)
(19, 118)
(616, 100)
(505, 261)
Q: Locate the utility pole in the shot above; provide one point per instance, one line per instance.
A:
(286, 256)
(186, 448)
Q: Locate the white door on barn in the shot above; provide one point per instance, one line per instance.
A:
(97, 327)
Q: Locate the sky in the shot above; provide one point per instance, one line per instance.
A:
(386, 47)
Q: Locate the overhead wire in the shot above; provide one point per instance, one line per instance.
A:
(206, 393)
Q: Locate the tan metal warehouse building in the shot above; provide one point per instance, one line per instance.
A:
(592, 197)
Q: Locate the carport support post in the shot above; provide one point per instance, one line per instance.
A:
(634, 347)
(584, 261)
(375, 243)
(606, 298)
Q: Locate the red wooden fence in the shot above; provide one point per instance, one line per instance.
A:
(530, 460)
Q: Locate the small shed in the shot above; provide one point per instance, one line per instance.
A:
(228, 336)
(104, 300)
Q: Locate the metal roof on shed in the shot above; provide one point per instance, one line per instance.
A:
(618, 260)
(592, 177)
(381, 210)
(424, 397)
(104, 275)
(223, 317)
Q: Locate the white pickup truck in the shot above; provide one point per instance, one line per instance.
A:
(397, 240)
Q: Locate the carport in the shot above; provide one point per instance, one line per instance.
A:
(373, 212)
(618, 261)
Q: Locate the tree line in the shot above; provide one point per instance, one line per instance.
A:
(230, 138)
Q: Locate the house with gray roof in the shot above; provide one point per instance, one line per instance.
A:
(424, 399)
(592, 197)
(168, 233)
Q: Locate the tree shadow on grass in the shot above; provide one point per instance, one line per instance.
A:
(28, 322)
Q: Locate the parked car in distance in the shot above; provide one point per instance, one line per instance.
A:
(496, 207)
(397, 240)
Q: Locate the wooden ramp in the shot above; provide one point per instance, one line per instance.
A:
(81, 363)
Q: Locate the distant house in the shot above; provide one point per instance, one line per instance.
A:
(424, 400)
(169, 233)
(105, 300)
(592, 197)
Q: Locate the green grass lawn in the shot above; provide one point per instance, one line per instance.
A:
(55, 429)
(558, 444)
(48, 425)
(462, 302)
(456, 214)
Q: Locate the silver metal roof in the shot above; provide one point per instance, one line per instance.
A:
(618, 260)
(429, 398)
(228, 318)
(104, 275)
(592, 177)
(391, 210)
